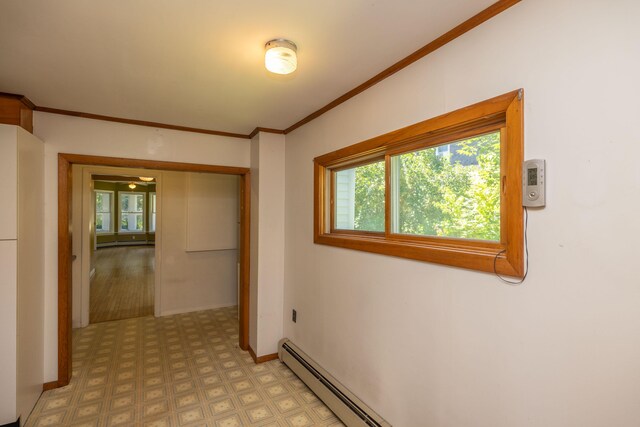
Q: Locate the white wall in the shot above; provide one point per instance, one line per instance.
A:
(82, 136)
(212, 212)
(192, 281)
(267, 242)
(436, 346)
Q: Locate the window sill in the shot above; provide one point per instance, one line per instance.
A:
(470, 254)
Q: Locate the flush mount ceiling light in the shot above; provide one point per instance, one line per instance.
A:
(132, 185)
(280, 56)
(145, 178)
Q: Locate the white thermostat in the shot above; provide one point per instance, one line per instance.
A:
(533, 178)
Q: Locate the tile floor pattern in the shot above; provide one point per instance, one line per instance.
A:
(182, 370)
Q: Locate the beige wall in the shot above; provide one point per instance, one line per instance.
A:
(82, 136)
(429, 345)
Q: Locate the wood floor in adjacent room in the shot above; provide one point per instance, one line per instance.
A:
(123, 284)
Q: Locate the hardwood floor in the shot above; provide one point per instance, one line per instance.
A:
(123, 284)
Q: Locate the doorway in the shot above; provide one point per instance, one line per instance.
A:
(65, 162)
(122, 236)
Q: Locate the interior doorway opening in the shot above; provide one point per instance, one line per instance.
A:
(66, 234)
(122, 236)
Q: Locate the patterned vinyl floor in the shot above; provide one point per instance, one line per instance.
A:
(182, 370)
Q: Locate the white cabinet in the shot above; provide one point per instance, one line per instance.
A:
(8, 336)
(21, 272)
(8, 182)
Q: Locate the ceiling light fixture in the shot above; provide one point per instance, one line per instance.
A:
(132, 185)
(280, 56)
(146, 178)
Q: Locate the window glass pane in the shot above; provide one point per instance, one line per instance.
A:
(152, 219)
(132, 212)
(103, 201)
(132, 202)
(132, 222)
(452, 190)
(103, 211)
(359, 198)
(103, 222)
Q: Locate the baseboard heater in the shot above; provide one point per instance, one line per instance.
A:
(352, 411)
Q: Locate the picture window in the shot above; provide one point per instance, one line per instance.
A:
(446, 190)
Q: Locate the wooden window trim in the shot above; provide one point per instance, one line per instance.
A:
(503, 112)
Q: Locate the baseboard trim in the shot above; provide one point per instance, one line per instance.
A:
(194, 309)
(125, 243)
(14, 424)
(262, 359)
(49, 386)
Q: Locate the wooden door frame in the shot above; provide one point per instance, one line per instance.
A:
(65, 161)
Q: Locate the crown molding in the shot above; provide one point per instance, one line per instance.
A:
(268, 130)
(139, 122)
(479, 18)
(434, 45)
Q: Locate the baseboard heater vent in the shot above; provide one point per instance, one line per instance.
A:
(351, 410)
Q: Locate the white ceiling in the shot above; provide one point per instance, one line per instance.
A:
(199, 63)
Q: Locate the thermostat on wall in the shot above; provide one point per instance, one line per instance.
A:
(533, 183)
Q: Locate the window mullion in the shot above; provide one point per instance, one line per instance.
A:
(395, 193)
(332, 210)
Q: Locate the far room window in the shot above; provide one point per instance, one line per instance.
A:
(152, 212)
(104, 209)
(445, 190)
(131, 212)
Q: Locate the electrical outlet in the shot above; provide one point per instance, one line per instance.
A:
(294, 316)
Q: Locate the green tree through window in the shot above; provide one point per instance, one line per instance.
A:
(369, 196)
(452, 195)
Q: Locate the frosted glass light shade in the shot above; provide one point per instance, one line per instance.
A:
(280, 56)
